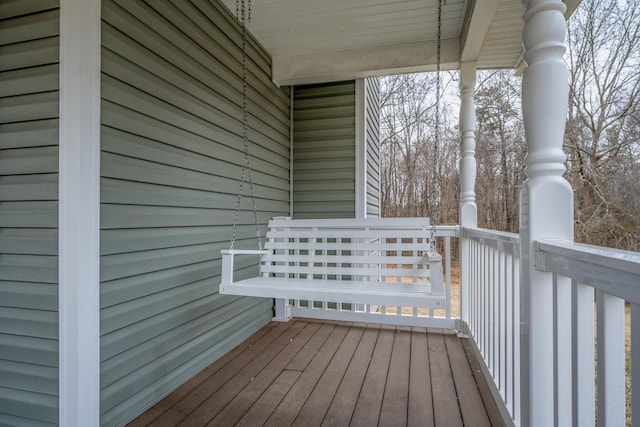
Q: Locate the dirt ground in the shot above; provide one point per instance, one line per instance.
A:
(455, 296)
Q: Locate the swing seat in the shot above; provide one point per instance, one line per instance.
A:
(379, 261)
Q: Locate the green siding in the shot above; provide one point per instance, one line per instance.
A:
(324, 151)
(170, 168)
(372, 143)
(29, 40)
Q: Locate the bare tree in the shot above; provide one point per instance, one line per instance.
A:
(602, 135)
(408, 134)
(500, 150)
(602, 127)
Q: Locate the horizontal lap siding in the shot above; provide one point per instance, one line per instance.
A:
(29, 41)
(170, 168)
(372, 141)
(324, 151)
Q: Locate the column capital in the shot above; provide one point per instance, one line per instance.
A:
(468, 75)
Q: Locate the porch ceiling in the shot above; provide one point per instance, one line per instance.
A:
(315, 41)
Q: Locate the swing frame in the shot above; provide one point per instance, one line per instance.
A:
(372, 261)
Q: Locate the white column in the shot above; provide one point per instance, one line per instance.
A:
(468, 208)
(79, 213)
(546, 203)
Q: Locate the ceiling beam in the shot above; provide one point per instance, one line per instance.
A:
(571, 7)
(478, 19)
(366, 62)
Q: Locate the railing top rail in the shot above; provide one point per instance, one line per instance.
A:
(402, 223)
(500, 240)
(447, 230)
(491, 234)
(349, 223)
(614, 271)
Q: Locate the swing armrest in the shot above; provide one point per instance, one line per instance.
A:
(435, 273)
(227, 261)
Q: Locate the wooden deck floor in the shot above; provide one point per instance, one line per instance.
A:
(313, 373)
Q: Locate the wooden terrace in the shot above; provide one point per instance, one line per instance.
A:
(312, 372)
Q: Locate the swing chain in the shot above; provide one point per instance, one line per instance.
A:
(435, 193)
(243, 15)
(243, 6)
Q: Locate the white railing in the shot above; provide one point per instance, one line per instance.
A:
(409, 316)
(591, 285)
(592, 384)
(493, 307)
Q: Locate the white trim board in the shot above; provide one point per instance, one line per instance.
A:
(79, 213)
(360, 150)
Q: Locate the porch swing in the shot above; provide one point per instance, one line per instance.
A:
(375, 261)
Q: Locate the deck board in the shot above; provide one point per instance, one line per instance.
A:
(344, 402)
(223, 372)
(316, 406)
(288, 409)
(367, 409)
(268, 402)
(493, 412)
(225, 394)
(396, 392)
(471, 404)
(445, 401)
(420, 411)
(250, 394)
(311, 372)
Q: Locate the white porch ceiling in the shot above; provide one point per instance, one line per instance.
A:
(302, 27)
(324, 40)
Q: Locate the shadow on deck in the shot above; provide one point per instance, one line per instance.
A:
(309, 373)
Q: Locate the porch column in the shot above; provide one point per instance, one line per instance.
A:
(468, 208)
(79, 213)
(546, 208)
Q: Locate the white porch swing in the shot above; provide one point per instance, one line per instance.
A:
(376, 261)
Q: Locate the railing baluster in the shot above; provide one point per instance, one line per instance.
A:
(562, 344)
(447, 283)
(635, 361)
(582, 342)
(483, 302)
(611, 363)
(473, 311)
(517, 403)
(493, 309)
(497, 325)
(509, 327)
(502, 306)
(474, 273)
(473, 308)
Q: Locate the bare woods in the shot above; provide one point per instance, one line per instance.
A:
(602, 139)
